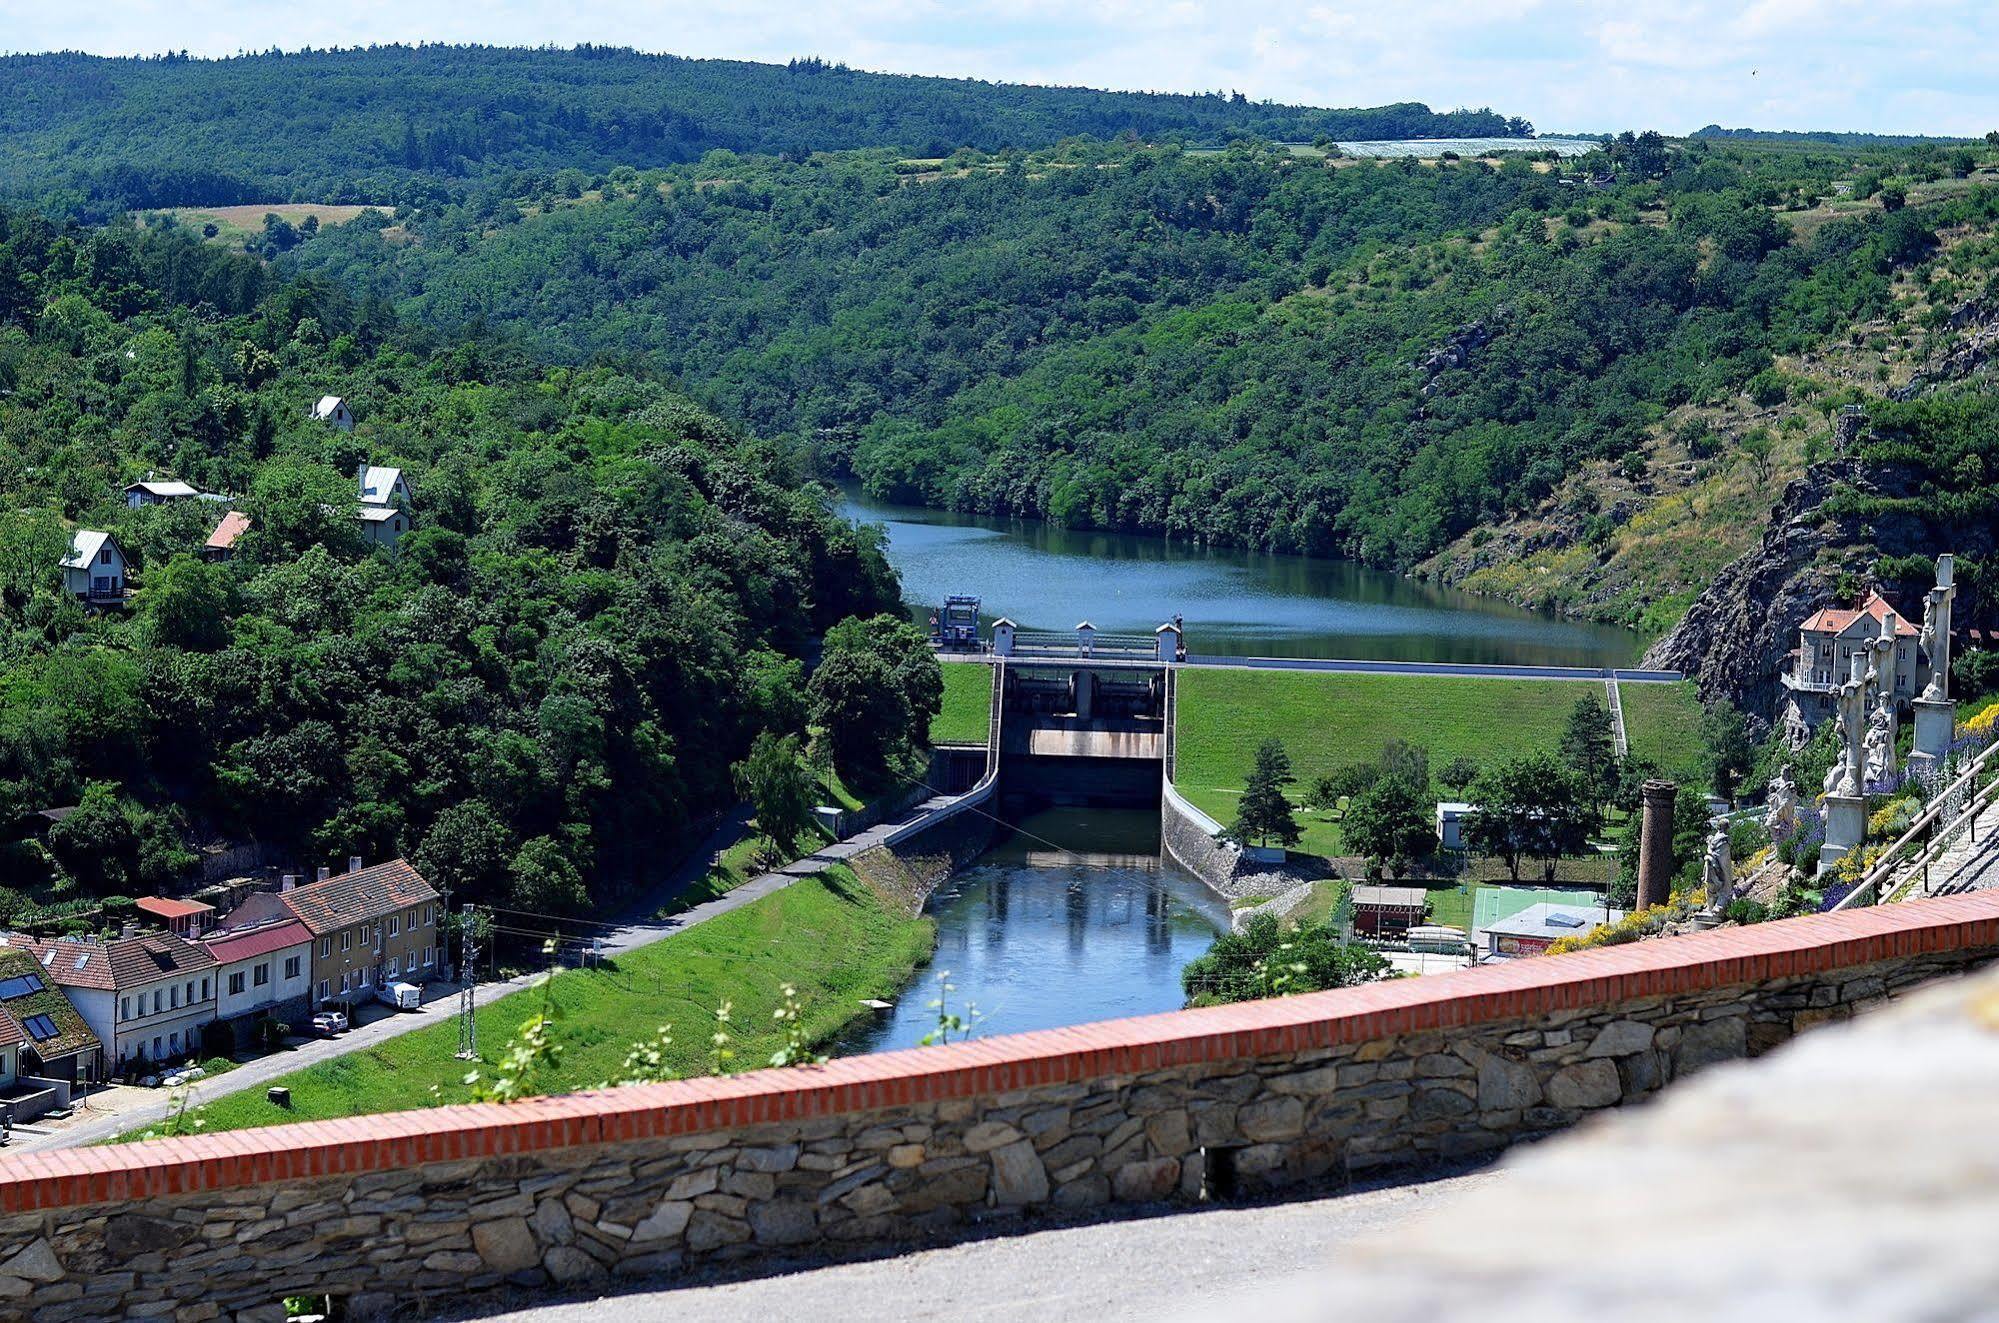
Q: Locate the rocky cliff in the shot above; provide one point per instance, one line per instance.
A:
(1734, 638)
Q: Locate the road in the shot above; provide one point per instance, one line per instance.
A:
(380, 1024)
(1358, 666)
(1208, 1263)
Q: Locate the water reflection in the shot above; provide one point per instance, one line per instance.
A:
(1237, 604)
(1074, 918)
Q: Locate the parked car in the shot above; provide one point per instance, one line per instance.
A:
(187, 1076)
(402, 996)
(328, 1023)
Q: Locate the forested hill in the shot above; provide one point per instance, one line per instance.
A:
(1254, 347)
(393, 124)
(603, 599)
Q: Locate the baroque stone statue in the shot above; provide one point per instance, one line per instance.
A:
(1783, 801)
(1718, 873)
(1843, 778)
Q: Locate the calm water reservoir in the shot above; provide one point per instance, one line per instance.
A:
(1074, 917)
(1236, 603)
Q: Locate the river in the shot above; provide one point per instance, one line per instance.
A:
(1236, 603)
(1074, 917)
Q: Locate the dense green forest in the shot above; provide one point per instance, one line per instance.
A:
(406, 124)
(1253, 347)
(606, 595)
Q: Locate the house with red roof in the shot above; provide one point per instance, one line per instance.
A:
(146, 996)
(221, 544)
(1822, 661)
(370, 927)
(182, 918)
(263, 971)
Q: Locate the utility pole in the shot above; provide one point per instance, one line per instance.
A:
(468, 1026)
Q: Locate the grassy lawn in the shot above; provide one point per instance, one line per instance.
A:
(1663, 723)
(234, 224)
(829, 936)
(1327, 721)
(1452, 905)
(968, 704)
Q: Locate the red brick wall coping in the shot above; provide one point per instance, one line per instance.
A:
(1811, 945)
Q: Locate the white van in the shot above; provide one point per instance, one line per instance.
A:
(402, 996)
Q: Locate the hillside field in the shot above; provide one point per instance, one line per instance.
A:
(1328, 721)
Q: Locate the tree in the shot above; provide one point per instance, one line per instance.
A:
(1589, 747)
(1389, 820)
(464, 848)
(780, 793)
(1530, 807)
(185, 605)
(1458, 774)
(544, 881)
(1267, 960)
(862, 714)
(293, 506)
(1327, 790)
(874, 695)
(1894, 195)
(1726, 747)
(1755, 446)
(1263, 812)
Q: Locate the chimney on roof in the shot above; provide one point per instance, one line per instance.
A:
(288, 881)
(324, 873)
(353, 863)
(128, 929)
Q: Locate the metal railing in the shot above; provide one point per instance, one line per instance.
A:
(1953, 811)
(1070, 645)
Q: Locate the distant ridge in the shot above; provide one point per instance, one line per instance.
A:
(1830, 137)
(397, 123)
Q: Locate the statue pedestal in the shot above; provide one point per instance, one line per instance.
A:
(1936, 722)
(1845, 828)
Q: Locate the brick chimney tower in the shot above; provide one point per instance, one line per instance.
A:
(1655, 844)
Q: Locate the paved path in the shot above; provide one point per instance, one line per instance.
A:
(441, 1003)
(1465, 670)
(1357, 666)
(1207, 1263)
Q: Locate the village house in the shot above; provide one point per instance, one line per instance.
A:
(333, 411)
(94, 570)
(182, 918)
(1823, 659)
(262, 971)
(1533, 930)
(381, 485)
(41, 1033)
(146, 996)
(383, 504)
(370, 927)
(221, 544)
(158, 492)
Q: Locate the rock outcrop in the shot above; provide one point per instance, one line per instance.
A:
(1734, 638)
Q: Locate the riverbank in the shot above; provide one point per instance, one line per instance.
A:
(829, 936)
(1330, 721)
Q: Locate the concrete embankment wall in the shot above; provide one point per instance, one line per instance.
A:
(446, 1205)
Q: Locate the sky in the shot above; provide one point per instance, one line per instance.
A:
(1890, 66)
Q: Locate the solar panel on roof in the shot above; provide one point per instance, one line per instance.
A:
(19, 986)
(41, 1027)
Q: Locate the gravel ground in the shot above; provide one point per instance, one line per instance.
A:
(1178, 1264)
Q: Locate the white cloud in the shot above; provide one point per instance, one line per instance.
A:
(1887, 65)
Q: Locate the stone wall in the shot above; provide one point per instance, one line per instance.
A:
(1187, 835)
(416, 1208)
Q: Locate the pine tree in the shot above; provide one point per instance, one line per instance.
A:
(1264, 812)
